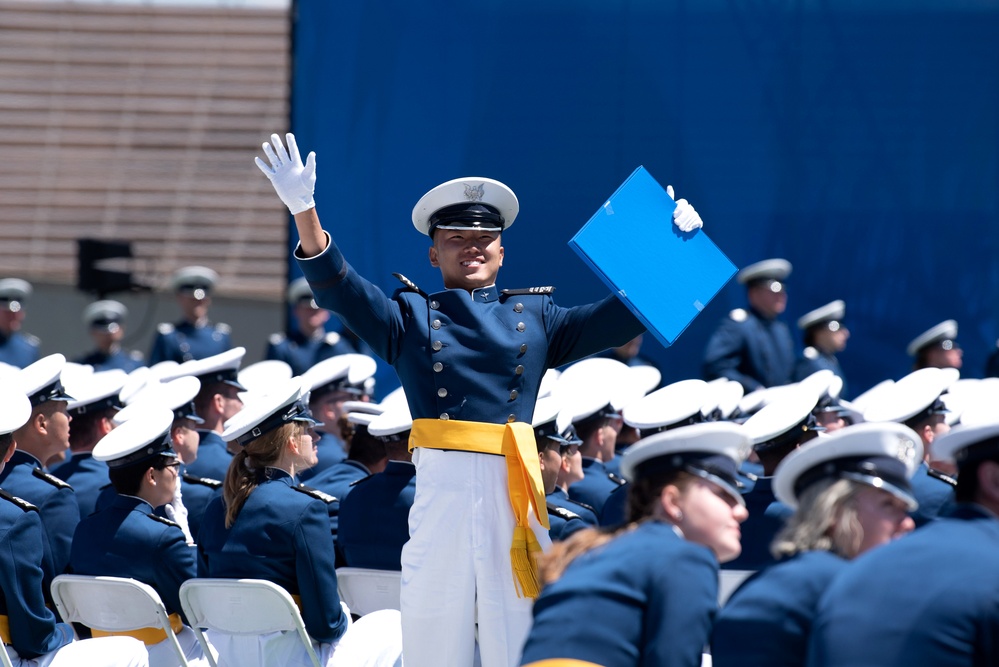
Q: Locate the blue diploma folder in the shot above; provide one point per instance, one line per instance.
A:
(666, 277)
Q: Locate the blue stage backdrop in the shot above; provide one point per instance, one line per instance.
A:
(856, 138)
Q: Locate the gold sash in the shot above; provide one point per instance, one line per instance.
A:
(562, 662)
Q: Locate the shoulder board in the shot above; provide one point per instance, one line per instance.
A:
(943, 477)
(410, 285)
(276, 339)
(547, 289)
(165, 328)
(315, 493)
(136, 355)
(614, 478)
(223, 328)
(51, 479)
(23, 504)
(203, 481)
(810, 353)
(562, 512)
(584, 506)
(358, 481)
(34, 341)
(738, 315)
(163, 520)
(331, 338)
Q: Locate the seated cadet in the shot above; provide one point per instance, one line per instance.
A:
(127, 539)
(217, 401)
(31, 633)
(776, 430)
(825, 336)
(752, 346)
(551, 437)
(105, 324)
(915, 401)
(193, 493)
(930, 598)
(571, 471)
(44, 435)
(636, 383)
(850, 492)
(675, 405)
(268, 527)
(307, 343)
(685, 512)
(345, 377)
(374, 517)
(91, 412)
(16, 348)
(194, 336)
(936, 347)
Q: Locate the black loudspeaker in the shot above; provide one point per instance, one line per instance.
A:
(92, 277)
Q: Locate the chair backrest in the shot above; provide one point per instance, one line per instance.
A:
(241, 607)
(4, 658)
(112, 604)
(729, 580)
(365, 590)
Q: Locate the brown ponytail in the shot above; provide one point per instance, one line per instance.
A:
(249, 462)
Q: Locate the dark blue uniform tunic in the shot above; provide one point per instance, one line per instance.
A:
(329, 451)
(184, 341)
(750, 349)
(560, 498)
(87, 476)
(213, 457)
(935, 496)
(18, 349)
(596, 485)
(766, 518)
(303, 353)
(337, 481)
(119, 359)
(374, 518)
(930, 598)
(644, 599)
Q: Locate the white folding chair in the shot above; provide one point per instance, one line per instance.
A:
(112, 604)
(366, 590)
(4, 657)
(729, 580)
(241, 607)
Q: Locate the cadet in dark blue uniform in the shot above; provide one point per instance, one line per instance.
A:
(928, 599)
(16, 348)
(105, 324)
(374, 518)
(685, 511)
(552, 436)
(471, 358)
(268, 527)
(44, 436)
(92, 412)
(752, 346)
(936, 347)
(194, 336)
(127, 539)
(570, 472)
(825, 337)
(305, 345)
(851, 494)
(597, 424)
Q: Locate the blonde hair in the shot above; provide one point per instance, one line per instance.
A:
(826, 520)
(248, 464)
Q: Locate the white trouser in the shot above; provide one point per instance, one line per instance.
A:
(102, 652)
(374, 640)
(163, 654)
(456, 569)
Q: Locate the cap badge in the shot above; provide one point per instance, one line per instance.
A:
(475, 193)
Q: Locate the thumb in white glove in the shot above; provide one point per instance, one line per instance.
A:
(294, 182)
(684, 215)
(177, 513)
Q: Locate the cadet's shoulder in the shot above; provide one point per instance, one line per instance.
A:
(20, 503)
(738, 315)
(32, 340)
(165, 328)
(315, 493)
(135, 355)
(546, 290)
(362, 479)
(50, 479)
(810, 353)
(331, 338)
(162, 520)
(276, 339)
(223, 328)
(561, 512)
(202, 481)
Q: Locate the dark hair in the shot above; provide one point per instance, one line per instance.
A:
(363, 447)
(247, 466)
(6, 440)
(204, 398)
(127, 479)
(83, 432)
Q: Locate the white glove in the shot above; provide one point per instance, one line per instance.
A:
(177, 513)
(294, 183)
(684, 215)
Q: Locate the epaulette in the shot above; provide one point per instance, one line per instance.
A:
(51, 479)
(738, 315)
(331, 338)
(315, 493)
(164, 520)
(943, 477)
(136, 355)
(546, 290)
(617, 480)
(23, 504)
(358, 481)
(33, 340)
(562, 512)
(584, 505)
(810, 353)
(165, 328)
(276, 339)
(202, 481)
(410, 285)
(223, 328)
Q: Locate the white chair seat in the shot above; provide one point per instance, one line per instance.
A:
(365, 590)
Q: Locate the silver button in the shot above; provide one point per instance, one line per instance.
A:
(521, 326)
(519, 370)
(437, 345)
(438, 367)
(434, 305)
(519, 308)
(513, 394)
(445, 416)
(512, 418)
(442, 392)
(436, 324)
(523, 348)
